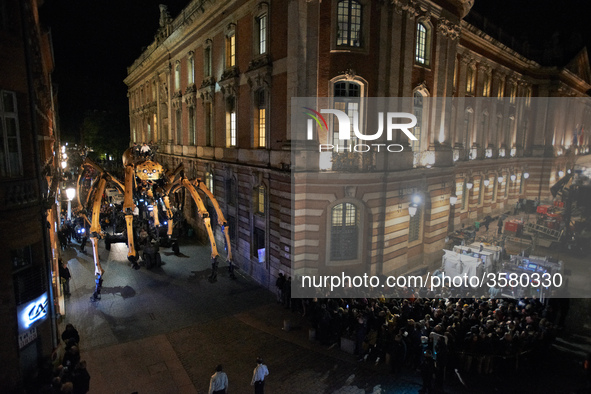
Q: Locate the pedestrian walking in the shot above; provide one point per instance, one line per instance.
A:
(279, 284)
(500, 226)
(218, 383)
(258, 377)
(65, 276)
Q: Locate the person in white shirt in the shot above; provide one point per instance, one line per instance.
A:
(219, 382)
(258, 377)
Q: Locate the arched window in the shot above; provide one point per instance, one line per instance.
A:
(349, 23)
(344, 232)
(177, 76)
(423, 43)
(209, 181)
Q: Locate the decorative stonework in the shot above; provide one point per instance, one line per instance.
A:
(409, 6)
(229, 82)
(190, 95)
(448, 29)
(207, 89)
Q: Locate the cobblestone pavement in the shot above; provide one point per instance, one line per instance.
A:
(164, 331)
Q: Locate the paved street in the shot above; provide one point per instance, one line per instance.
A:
(164, 331)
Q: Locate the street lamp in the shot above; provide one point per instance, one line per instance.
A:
(561, 173)
(453, 199)
(500, 179)
(513, 177)
(486, 182)
(526, 175)
(412, 208)
(70, 193)
(469, 185)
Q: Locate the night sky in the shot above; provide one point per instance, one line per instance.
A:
(96, 40)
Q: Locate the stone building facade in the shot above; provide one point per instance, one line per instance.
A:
(215, 91)
(29, 284)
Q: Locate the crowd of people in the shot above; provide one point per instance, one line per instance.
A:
(474, 335)
(71, 375)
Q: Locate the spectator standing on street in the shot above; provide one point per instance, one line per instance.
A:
(65, 276)
(258, 377)
(500, 226)
(279, 284)
(219, 382)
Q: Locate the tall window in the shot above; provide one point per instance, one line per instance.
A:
(208, 124)
(177, 76)
(414, 225)
(261, 34)
(259, 199)
(495, 189)
(422, 43)
(231, 121)
(344, 232)
(209, 181)
(465, 195)
(10, 144)
(349, 23)
(261, 119)
(179, 129)
(418, 113)
(207, 60)
(192, 134)
(231, 50)
(230, 192)
(346, 99)
(191, 69)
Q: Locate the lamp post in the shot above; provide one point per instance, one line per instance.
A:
(70, 193)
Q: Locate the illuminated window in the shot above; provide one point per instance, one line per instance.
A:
(177, 76)
(209, 181)
(423, 44)
(259, 199)
(261, 119)
(191, 69)
(10, 145)
(349, 23)
(344, 232)
(231, 122)
(231, 50)
(261, 37)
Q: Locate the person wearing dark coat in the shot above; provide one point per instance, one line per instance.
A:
(70, 333)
